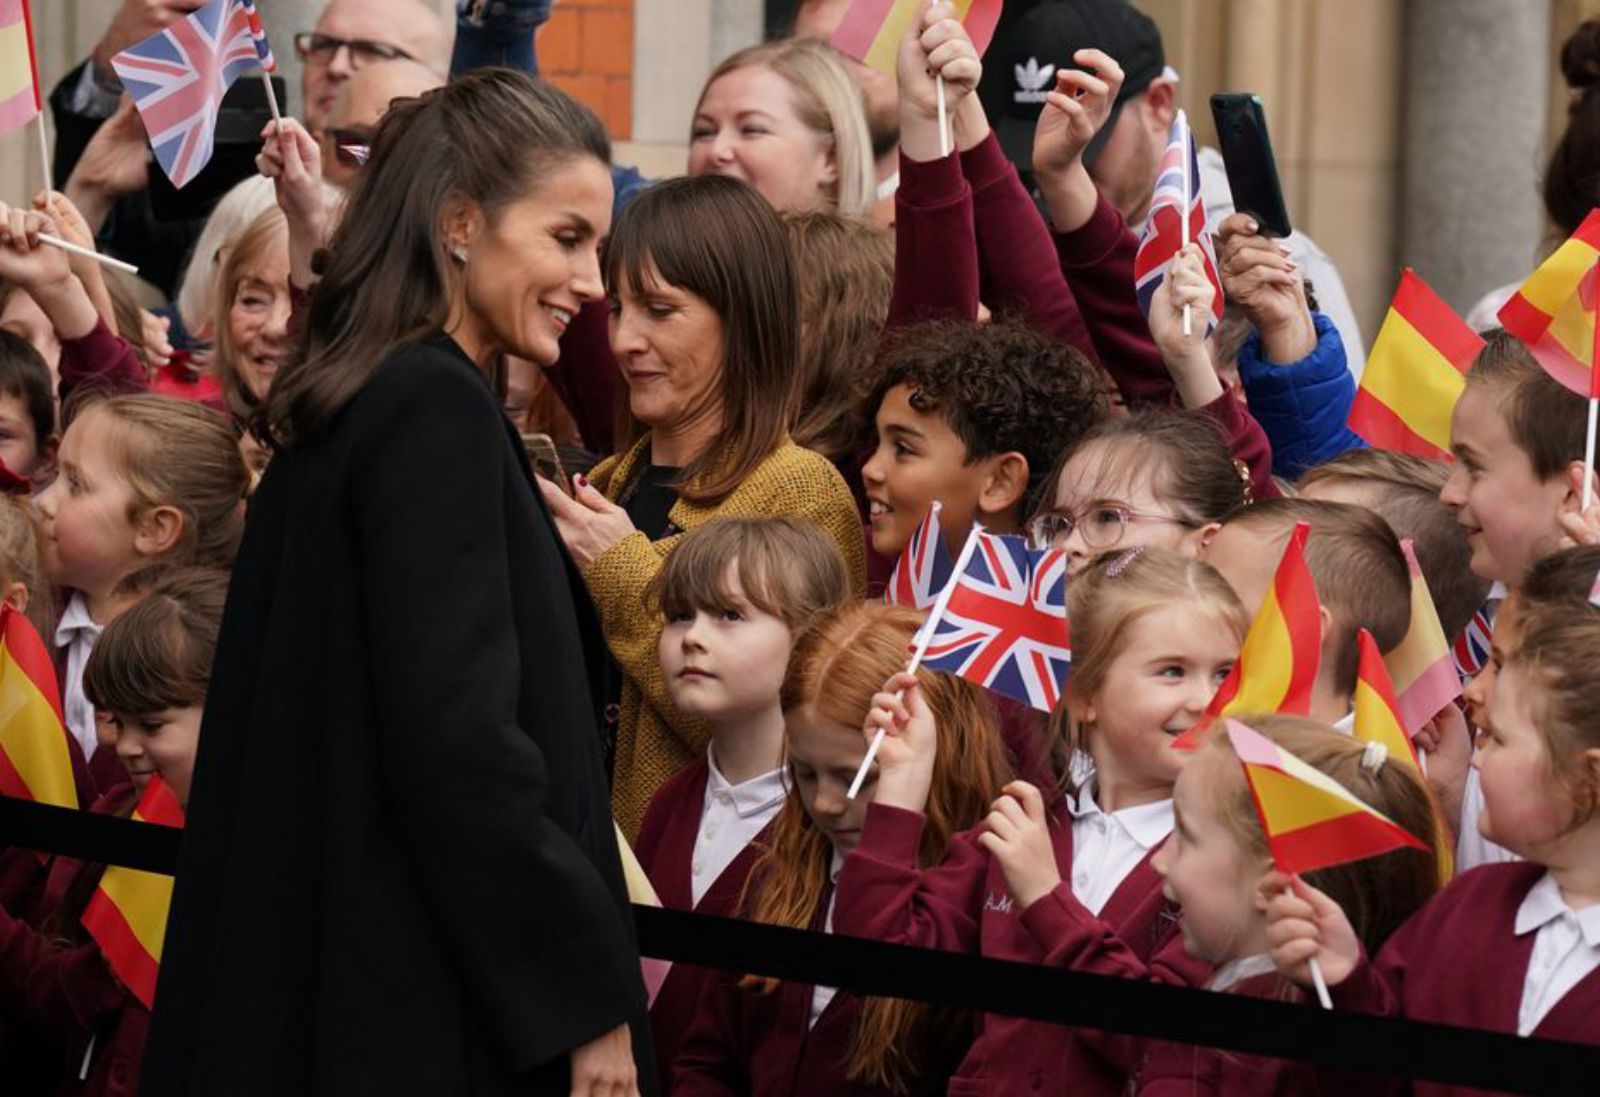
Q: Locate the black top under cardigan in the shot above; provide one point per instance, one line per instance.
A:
(399, 873)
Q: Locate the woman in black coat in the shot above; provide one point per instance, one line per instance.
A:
(399, 874)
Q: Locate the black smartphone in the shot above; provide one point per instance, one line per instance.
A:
(1247, 154)
(241, 118)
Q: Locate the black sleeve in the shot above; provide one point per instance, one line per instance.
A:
(539, 941)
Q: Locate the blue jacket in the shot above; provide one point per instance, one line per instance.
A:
(1302, 406)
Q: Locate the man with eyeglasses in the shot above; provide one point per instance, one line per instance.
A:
(354, 33)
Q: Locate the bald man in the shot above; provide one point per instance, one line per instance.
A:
(353, 33)
(363, 100)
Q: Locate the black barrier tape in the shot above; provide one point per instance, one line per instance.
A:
(1350, 1041)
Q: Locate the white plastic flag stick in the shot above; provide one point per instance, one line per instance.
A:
(44, 153)
(1183, 214)
(272, 96)
(944, 117)
(87, 253)
(924, 638)
(1321, 983)
(1588, 454)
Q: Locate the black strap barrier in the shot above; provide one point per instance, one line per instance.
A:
(1350, 1041)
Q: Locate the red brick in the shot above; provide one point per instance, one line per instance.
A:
(618, 114)
(590, 90)
(559, 41)
(607, 42)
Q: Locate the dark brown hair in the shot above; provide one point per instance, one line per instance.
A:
(1572, 177)
(25, 375)
(1566, 577)
(718, 239)
(489, 138)
(157, 655)
(845, 268)
(1183, 457)
(1376, 894)
(1002, 387)
(1361, 574)
(1404, 490)
(787, 567)
(1546, 419)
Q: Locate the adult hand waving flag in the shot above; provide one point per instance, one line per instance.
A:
(871, 30)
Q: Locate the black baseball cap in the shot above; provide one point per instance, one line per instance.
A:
(1021, 65)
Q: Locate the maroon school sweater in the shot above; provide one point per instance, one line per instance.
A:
(964, 905)
(1458, 961)
(666, 850)
(1187, 1070)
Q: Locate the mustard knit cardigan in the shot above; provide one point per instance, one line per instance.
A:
(653, 740)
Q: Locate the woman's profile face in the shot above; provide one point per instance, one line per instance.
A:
(747, 126)
(531, 268)
(669, 344)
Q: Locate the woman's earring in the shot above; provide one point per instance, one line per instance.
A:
(459, 253)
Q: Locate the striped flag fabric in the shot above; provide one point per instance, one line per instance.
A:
(1164, 235)
(923, 568)
(1376, 710)
(1005, 625)
(19, 67)
(127, 914)
(1278, 662)
(35, 763)
(178, 76)
(1415, 373)
(871, 30)
(1310, 820)
(1422, 668)
(1554, 310)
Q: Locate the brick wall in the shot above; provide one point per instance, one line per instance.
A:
(586, 49)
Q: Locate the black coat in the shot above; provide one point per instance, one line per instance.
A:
(399, 874)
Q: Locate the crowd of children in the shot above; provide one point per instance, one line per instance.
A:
(804, 387)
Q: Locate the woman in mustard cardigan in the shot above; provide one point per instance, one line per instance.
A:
(703, 302)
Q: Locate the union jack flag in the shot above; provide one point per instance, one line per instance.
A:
(177, 79)
(923, 568)
(1471, 648)
(1005, 626)
(1163, 235)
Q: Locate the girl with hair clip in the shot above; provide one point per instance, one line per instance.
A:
(1218, 868)
(1074, 288)
(761, 1036)
(734, 595)
(146, 483)
(1160, 479)
(1154, 634)
(148, 677)
(1507, 947)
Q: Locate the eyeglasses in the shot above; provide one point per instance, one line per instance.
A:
(352, 145)
(321, 47)
(1102, 527)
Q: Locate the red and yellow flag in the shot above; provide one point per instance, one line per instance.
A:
(871, 29)
(1377, 713)
(1554, 310)
(1414, 374)
(1422, 668)
(1278, 663)
(35, 763)
(19, 70)
(1310, 820)
(127, 914)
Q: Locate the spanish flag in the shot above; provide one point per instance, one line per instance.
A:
(1415, 373)
(19, 69)
(871, 30)
(1422, 668)
(1553, 313)
(127, 914)
(1277, 666)
(1377, 713)
(1310, 820)
(34, 760)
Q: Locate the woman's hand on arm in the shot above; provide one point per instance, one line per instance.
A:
(589, 523)
(604, 1066)
(1073, 113)
(935, 46)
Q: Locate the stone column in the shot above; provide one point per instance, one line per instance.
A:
(1476, 93)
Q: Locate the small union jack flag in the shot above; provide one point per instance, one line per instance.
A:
(1005, 626)
(1471, 648)
(1164, 234)
(177, 79)
(923, 568)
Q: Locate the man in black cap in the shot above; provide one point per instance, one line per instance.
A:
(1125, 156)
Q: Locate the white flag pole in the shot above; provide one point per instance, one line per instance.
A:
(44, 154)
(924, 638)
(272, 96)
(1320, 982)
(1185, 137)
(1588, 454)
(87, 253)
(944, 117)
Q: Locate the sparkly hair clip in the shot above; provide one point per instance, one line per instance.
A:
(1244, 476)
(1115, 569)
(1373, 756)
